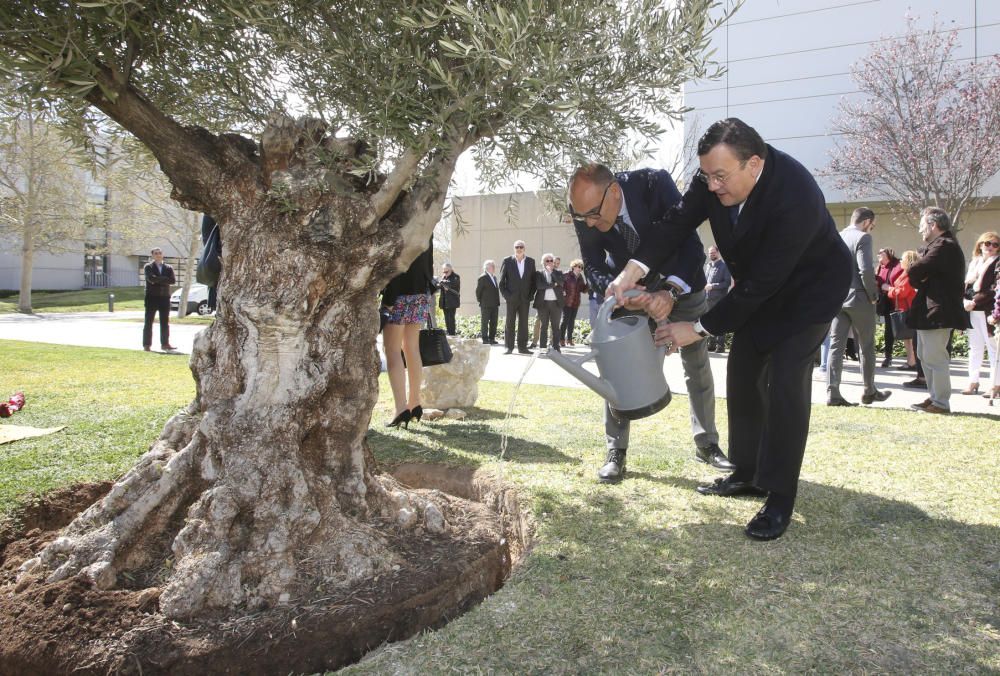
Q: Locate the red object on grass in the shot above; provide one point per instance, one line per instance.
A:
(15, 404)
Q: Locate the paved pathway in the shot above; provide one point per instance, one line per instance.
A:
(104, 329)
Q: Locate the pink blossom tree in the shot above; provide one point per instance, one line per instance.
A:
(926, 130)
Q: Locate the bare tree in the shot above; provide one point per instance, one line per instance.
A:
(269, 463)
(926, 130)
(43, 184)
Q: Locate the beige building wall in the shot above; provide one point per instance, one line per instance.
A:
(489, 227)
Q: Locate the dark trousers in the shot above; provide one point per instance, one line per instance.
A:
(889, 336)
(156, 304)
(568, 323)
(517, 312)
(449, 320)
(488, 323)
(769, 406)
(549, 314)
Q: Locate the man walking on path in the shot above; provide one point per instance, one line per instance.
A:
(858, 312)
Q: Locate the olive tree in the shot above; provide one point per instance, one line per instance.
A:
(269, 463)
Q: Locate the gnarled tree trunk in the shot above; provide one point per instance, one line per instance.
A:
(268, 466)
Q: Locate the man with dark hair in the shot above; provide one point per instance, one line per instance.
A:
(612, 215)
(791, 272)
(858, 312)
(939, 278)
(159, 276)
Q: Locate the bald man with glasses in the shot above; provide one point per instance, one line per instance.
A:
(517, 286)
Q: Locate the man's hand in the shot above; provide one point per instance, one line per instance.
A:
(675, 336)
(623, 282)
(656, 304)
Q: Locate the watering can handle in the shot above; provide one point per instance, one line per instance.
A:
(608, 306)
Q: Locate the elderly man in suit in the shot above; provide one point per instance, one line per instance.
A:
(858, 312)
(488, 297)
(717, 283)
(517, 286)
(612, 215)
(791, 271)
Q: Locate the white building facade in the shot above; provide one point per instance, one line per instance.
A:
(788, 65)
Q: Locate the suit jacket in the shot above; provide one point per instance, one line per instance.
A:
(649, 193)
(864, 289)
(514, 288)
(939, 278)
(790, 266)
(450, 288)
(487, 292)
(717, 273)
(541, 285)
(158, 283)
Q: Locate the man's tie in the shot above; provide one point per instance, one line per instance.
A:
(628, 233)
(734, 214)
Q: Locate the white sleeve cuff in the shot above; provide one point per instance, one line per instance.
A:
(642, 266)
(679, 283)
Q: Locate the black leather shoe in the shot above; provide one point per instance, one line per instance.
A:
(887, 362)
(525, 352)
(839, 401)
(769, 524)
(614, 469)
(916, 383)
(867, 399)
(726, 487)
(508, 351)
(714, 456)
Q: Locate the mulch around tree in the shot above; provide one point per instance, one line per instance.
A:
(69, 626)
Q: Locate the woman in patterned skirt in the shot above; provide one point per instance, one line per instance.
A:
(406, 300)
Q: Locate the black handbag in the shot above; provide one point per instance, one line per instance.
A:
(434, 347)
(900, 331)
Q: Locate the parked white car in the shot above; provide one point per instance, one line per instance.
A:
(197, 300)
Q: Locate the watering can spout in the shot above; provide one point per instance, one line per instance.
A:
(574, 368)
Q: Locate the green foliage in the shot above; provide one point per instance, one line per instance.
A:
(542, 82)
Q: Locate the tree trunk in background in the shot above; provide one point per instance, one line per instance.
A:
(27, 264)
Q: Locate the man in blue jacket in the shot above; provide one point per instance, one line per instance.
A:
(613, 214)
(791, 271)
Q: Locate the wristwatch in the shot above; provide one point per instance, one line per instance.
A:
(672, 291)
(700, 330)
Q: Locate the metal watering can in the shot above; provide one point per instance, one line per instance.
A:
(631, 366)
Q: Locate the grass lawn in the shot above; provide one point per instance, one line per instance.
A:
(86, 300)
(892, 562)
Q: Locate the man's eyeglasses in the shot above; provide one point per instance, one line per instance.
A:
(718, 178)
(518, 246)
(593, 213)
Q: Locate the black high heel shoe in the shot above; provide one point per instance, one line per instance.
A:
(417, 412)
(401, 419)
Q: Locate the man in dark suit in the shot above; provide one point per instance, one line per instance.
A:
(549, 301)
(517, 286)
(612, 215)
(791, 271)
(717, 283)
(488, 297)
(450, 286)
(159, 276)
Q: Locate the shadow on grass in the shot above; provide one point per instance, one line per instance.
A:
(859, 583)
(437, 443)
